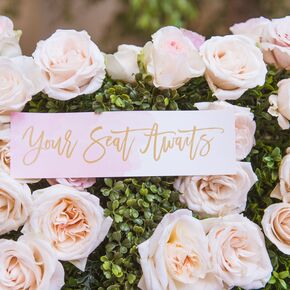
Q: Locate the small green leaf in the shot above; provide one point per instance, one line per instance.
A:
(117, 270)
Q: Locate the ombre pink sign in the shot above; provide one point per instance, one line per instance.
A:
(116, 144)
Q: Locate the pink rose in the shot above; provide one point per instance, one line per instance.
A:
(171, 58)
(273, 37)
(196, 39)
(77, 183)
(276, 43)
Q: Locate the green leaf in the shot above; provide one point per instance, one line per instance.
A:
(108, 182)
(117, 270)
(284, 274)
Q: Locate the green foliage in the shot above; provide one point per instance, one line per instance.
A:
(138, 204)
(150, 15)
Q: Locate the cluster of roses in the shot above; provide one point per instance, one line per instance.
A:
(64, 222)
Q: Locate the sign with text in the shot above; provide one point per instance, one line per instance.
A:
(116, 144)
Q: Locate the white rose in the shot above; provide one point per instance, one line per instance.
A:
(15, 203)
(238, 251)
(9, 39)
(254, 28)
(171, 58)
(280, 104)
(20, 79)
(72, 63)
(72, 221)
(176, 256)
(245, 126)
(217, 195)
(282, 190)
(276, 225)
(233, 65)
(30, 264)
(123, 65)
(276, 43)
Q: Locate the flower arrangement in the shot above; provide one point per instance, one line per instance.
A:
(198, 232)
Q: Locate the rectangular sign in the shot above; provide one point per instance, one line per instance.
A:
(116, 144)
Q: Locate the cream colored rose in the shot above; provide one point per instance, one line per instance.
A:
(30, 264)
(20, 79)
(172, 58)
(15, 203)
(238, 252)
(123, 65)
(280, 104)
(217, 195)
(254, 28)
(72, 221)
(9, 39)
(276, 43)
(72, 63)
(244, 124)
(176, 256)
(276, 225)
(282, 190)
(233, 65)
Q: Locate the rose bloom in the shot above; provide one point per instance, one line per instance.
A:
(176, 256)
(172, 58)
(72, 64)
(77, 183)
(30, 264)
(196, 39)
(280, 104)
(123, 65)
(238, 252)
(15, 203)
(72, 221)
(9, 39)
(272, 37)
(245, 126)
(276, 225)
(20, 79)
(233, 65)
(276, 43)
(254, 28)
(217, 195)
(282, 190)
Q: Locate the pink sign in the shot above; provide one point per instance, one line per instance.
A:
(115, 144)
